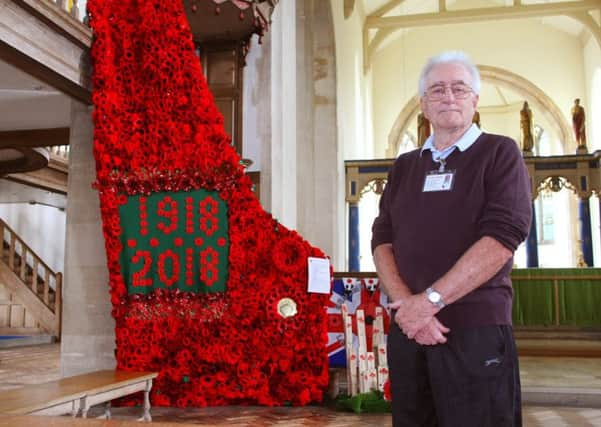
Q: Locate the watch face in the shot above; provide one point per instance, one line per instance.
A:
(434, 297)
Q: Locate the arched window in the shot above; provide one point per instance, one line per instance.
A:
(408, 143)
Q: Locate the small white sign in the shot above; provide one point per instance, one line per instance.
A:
(319, 275)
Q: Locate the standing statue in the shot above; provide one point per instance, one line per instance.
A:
(423, 129)
(578, 124)
(526, 126)
(476, 119)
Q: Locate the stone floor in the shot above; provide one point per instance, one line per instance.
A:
(549, 383)
(534, 416)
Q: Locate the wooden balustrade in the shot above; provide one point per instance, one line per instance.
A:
(40, 280)
(73, 10)
(61, 152)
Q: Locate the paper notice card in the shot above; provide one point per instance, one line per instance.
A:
(319, 275)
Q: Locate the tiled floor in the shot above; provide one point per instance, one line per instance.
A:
(534, 416)
(582, 372)
(31, 365)
(28, 365)
(561, 417)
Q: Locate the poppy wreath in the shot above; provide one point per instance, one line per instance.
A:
(197, 268)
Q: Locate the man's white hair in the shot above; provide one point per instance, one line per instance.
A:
(450, 57)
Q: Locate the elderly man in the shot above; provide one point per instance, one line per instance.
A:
(451, 216)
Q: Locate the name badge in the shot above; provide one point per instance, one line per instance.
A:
(439, 181)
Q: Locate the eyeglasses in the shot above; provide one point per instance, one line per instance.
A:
(459, 91)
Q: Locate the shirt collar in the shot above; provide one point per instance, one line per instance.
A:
(467, 139)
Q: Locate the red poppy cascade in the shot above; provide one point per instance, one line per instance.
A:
(197, 268)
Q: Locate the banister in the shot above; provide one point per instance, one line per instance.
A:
(25, 247)
(39, 270)
(58, 301)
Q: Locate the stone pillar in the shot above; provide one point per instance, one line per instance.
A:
(532, 242)
(353, 240)
(88, 339)
(586, 241)
(283, 161)
(292, 98)
(316, 150)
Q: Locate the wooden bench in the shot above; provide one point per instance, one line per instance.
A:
(76, 394)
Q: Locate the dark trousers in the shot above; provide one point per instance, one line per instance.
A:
(471, 380)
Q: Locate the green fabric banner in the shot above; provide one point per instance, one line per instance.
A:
(557, 297)
(175, 240)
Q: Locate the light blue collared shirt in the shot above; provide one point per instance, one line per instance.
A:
(467, 139)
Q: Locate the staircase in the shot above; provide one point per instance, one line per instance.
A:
(32, 290)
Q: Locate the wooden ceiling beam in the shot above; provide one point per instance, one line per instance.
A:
(34, 138)
(482, 14)
(387, 8)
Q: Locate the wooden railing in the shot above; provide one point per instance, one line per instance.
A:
(35, 284)
(60, 152)
(72, 10)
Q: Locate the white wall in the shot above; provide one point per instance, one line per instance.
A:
(42, 228)
(520, 46)
(353, 94)
(282, 160)
(592, 99)
(354, 116)
(506, 121)
(592, 72)
(255, 126)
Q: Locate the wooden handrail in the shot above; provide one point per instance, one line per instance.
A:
(40, 272)
(64, 5)
(26, 247)
(58, 304)
(59, 151)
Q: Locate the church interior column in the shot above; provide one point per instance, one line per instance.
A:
(353, 240)
(88, 337)
(532, 241)
(586, 241)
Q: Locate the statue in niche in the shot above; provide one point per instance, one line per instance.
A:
(526, 126)
(476, 119)
(578, 124)
(423, 129)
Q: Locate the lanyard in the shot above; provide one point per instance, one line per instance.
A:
(442, 162)
(441, 158)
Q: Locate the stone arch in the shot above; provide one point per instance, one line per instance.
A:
(504, 78)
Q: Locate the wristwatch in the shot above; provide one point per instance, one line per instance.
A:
(435, 298)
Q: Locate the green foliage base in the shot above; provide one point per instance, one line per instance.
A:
(372, 401)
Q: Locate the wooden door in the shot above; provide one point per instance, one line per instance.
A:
(222, 66)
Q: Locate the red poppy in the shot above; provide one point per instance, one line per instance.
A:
(157, 129)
